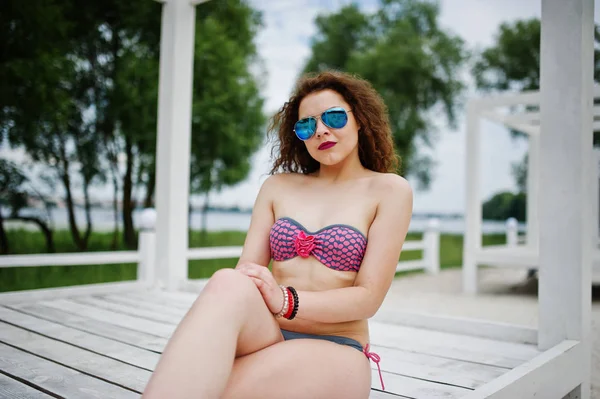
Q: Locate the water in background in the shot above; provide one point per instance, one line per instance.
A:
(103, 220)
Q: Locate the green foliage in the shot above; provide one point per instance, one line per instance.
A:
(505, 205)
(512, 63)
(80, 87)
(227, 121)
(12, 193)
(412, 62)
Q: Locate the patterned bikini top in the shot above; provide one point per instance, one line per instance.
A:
(338, 246)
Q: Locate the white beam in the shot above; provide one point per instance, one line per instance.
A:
(566, 196)
(173, 141)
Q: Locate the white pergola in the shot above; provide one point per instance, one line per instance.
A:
(564, 201)
(513, 111)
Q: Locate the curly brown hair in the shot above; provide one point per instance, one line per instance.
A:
(375, 144)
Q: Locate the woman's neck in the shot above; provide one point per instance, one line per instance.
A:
(350, 168)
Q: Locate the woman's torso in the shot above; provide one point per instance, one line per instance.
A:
(313, 206)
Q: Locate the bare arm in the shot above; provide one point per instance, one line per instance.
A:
(385, 240)
(256, 246)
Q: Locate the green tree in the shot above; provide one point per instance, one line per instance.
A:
(227, 118)
(412, 62)
(45, 97)
(504, 205)
(15, 192)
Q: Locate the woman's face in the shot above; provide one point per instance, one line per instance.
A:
(329, 146)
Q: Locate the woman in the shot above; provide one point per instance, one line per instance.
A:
(333, 218)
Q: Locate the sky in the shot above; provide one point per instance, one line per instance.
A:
(284, 46)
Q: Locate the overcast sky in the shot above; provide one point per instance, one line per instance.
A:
(284, 46)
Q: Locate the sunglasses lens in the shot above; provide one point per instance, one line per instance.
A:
(305, 128)
(335, 118)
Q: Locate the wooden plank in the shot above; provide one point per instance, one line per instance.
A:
(460, 325)
(13, 389)
(452, 346)
(60, 380)
(553, 374)
(129, 310)
(131, 322)
(25, 296)
(136, 338)
(142, 304)
(437, 369)
(185, 299)
(415, 388)
(87, 362)
(160, 299)
(94, 343)
(375, 394)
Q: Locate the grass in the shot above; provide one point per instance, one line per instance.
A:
(30, 242)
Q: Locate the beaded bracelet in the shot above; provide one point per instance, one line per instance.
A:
(296, 302)
(286, 305)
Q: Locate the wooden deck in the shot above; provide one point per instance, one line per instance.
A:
(106, 346)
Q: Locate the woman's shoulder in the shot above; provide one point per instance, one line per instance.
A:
(282, 180)
(389, 183)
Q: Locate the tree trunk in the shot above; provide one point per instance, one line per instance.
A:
(79, 243)
(128, 230)
(115, 239)
(3, 238)
(45, 229)
(148, 201)
(88, 212)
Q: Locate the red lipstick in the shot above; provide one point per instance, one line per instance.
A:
(326, 145)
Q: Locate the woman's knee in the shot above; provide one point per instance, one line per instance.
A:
(231, 285)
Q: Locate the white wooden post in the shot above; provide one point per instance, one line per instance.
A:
(512, 232)
(147, 246)
(533, 178)
(173, 140)
(566, 179)
(472, 235)
(432, 246)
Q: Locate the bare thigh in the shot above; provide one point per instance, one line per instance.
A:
(259, 327)
(301, 369)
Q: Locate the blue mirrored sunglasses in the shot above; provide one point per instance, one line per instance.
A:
(335, 118)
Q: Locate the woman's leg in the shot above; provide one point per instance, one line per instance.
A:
(228, 319)
(300, 369)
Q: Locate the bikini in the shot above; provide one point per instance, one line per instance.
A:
(337, 246)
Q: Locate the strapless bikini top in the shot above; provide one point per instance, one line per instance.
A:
(337, 246)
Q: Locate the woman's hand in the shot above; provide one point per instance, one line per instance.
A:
(266, 284)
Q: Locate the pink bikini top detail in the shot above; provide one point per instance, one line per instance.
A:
(337, 246)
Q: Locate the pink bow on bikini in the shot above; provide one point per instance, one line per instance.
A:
(374, 357)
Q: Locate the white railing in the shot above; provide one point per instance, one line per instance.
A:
(145, 255)
(513, 238)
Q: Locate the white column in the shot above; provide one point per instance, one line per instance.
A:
(147, 246)
(566, 196)
(472, 237)
(432, 246)
(173, 141)
(533, 178)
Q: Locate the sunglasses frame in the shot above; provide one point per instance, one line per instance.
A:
(320, 117)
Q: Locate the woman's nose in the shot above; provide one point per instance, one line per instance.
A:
(321, 128)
